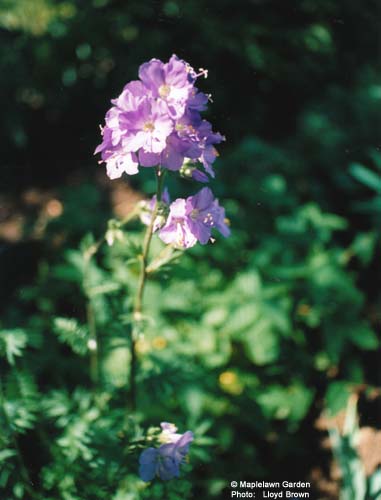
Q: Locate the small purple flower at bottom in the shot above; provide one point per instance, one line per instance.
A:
(192, 220)
(169, 433)
(164, 462)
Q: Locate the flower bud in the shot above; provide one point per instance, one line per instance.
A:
(190, 171)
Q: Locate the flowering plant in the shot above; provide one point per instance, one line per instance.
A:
(156, 123)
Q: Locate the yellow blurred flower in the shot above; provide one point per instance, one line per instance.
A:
(230, 383)
(159, 343)
(303, 309)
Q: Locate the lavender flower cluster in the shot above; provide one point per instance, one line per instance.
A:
(156, 122)
(164, 462)
(192, 219)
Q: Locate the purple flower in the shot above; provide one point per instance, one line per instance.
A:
(176, 230)
(169, 433)
(112, 133)
(197, 100)
(181, 446)
(204, 214)
(147, 127)
(170, 82)
(193, 219)
(165, 461)
(208, 139)
(156, 121)
(158, 462)
(174, 154)
(122, 163)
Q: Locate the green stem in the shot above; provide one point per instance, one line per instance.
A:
(138, 303)
(91, 322)
(93, 344)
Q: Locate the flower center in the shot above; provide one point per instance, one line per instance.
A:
(195, 213)
(164, 91)
(148, 127)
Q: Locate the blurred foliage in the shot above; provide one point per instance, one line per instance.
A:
(245, 341)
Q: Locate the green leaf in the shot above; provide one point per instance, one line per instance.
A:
(366, 176)
(337, 396)
(262, 343)
(373, 205)
(364, 337)
(282, 403)
(363, 246)
(301, 398)
(242, 318)
(12, 343)
(18, 490)
(70, 332)
(7, 453)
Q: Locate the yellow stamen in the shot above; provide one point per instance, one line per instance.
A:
(149, 127)
(195, 213)
(164, 91)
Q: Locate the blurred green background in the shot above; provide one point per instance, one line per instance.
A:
(249, 340)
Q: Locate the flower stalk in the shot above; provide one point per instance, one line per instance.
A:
(156, 123)
(92, 344)
(138, 303)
